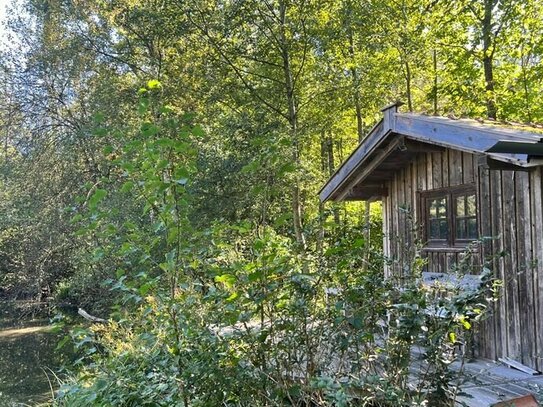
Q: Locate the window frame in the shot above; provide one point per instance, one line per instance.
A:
(450, 194)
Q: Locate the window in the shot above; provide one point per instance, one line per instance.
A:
(450, 216)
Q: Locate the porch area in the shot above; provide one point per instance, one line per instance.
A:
(486, 383)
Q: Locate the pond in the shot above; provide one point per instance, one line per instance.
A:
(28, 357)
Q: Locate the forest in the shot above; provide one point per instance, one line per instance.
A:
(160, 168)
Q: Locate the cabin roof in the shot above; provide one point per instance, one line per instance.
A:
(399, 137)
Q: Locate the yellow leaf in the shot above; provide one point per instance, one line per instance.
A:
(154, 84)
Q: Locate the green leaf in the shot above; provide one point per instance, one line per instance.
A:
(76, 218)
(143, 106)
(99, 131)
(128, 167)
(282, 220)
(144, 289)
(164, 142)
(227, 279)
(251, 167)
(98, 118)
(127, 186)
(358, 243)
(107, 150)
(181, 176)
(167, 109)
(149, 129)
(258, 244)
(63, 342)
(198, 131)
(98, 195)
(162, 163)
(180, 146)
(154, 84)
(286, 168)
(254, 276)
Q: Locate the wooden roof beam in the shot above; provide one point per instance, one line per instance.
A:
(488, 162)
(396, 143)
(418, 147)
(363, 192)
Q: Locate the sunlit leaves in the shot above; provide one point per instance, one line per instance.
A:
(154, 84)
(96, 197)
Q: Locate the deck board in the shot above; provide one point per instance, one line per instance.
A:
(488, 383)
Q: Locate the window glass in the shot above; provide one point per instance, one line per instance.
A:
(472, 229)
(461, 229)
(451, 218)
(438, 220)
(465, 217)
(460, 205)
(438, 208)
(470, 207)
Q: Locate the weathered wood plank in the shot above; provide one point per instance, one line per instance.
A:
(421, 171)
(500, 165)
(519, 366)
(484, 205)
(511, 266)
(455, 167)
(537, 244)
(413, 187)
(429, 177)
(420, 186)
(467, 168)
(402, 218)
(525, 270)
(395, 237)
(437, 171)
(410, 206)
(498, 263)
(445, 168)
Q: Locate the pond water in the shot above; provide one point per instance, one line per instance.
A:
(28, 358)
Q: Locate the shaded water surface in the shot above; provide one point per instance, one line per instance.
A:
(28, 357)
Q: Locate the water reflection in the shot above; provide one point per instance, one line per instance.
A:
(27, 352)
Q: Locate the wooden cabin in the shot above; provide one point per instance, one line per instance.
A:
(446, 183)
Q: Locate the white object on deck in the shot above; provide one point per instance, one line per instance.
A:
(519, 366)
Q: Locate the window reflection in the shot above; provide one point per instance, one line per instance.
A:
(452, 217)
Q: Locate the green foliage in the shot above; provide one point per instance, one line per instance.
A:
(237, 315)
(183, 225)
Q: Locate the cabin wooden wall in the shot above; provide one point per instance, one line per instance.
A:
(512, 203)
(401, 208)
(510, 210)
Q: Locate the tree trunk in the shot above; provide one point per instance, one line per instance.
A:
(434, 90)
(525, 86)
(408, 85)
(293, 122)
(356, 84)
(359, 125)
(331, 168)
(488, 56)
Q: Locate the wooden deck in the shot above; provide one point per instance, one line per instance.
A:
(489, 382)
(485, 382)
